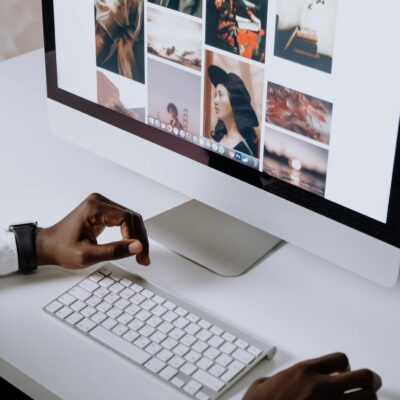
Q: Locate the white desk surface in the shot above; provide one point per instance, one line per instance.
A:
(305, 306)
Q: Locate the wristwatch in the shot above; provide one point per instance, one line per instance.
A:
(25, 237)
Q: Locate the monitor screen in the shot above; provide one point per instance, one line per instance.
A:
(305, 91)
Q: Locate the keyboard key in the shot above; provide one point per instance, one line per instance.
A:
(176, 362)
(229, 375)
(224, 360)
(127, 293)
(215, 341)
(137, 299)
(131, 335)
(155, 365)
(78, 305)
(254, 350)
(181, 350)
(116, 288)
(181, 322)
(126, 282)
(101, 292)
(188, 369)
(168, 373)
(204, 335)
(216, 331)
(193, 318)
(242, 344)
(120, 329)
(111, 298)
(142, 342)
(181, 311)
(148, 305)
(158, 299)
(177, 382)
(170, 316)
(165, 327)
(165, 355)
(114, 312)
(99, 317)
(96, 277)
(204, 363)
(104, 307)
(243, 356)
(176, 333)
(116, 276)
(217, 370)
(147, 293)
(89, 285)
(146, 331)
(106, 282)
(153, 348)
(212, 353)
(208, 380)
(188, 340)
(193, 356)
(158, 337)
(200, 346)
(105, 271)
(54, 306)
(192, 328)
(169, 343)
(122, 304)
(125, 318)
(171, 306)
(66, 299)
(192, 387)
(228, 337)
(132, 309)
(136, 288)
(109, 323)
(93, 301)
(74, 318)
(86, 325)
(135, 325)
(88, 311)
(64, 312)
(204, 324)
(80, 293)
(236, 366)
(228, 348)
(159, 310)
(121, 345)
(154, 321)
(143, 315)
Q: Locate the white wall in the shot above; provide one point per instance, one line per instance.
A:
(20, 27)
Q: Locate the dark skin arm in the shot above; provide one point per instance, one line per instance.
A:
(72, 242)
(325, 378)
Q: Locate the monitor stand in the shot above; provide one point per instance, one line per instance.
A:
(212, 239)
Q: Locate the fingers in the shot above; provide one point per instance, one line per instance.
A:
(361, 379)
(367, 394)
(90, 254)
(131, 223)
(336, 362)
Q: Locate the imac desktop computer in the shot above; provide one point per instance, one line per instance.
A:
(279, 118)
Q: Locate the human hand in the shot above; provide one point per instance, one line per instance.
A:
(325, 378)
(72, 242)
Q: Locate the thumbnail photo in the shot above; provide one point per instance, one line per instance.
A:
(238, 26)
(299, 113)
(295, 161)
(305, 32)
(174, 98)
(233, 93)
(191, 7)
(174, 38)
(120, 37)
(121, 94)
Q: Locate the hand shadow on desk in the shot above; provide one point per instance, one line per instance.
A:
(265, 368)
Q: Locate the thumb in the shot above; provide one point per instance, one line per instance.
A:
(94, 253)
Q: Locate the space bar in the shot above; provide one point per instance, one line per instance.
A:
(120, 345)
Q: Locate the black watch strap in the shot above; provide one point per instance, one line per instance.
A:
(25, 235)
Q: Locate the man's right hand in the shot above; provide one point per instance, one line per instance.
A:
(325, 378)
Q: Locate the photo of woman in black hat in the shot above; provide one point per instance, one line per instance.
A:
(236, 116)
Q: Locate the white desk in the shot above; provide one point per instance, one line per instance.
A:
(302, 304)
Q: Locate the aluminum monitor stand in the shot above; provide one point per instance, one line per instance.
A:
(214, 240)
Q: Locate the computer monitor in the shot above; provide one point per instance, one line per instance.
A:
(283, 114)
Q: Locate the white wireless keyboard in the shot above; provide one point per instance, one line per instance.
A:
(188, 348)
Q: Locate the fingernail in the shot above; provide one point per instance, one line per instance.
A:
(135, 247)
